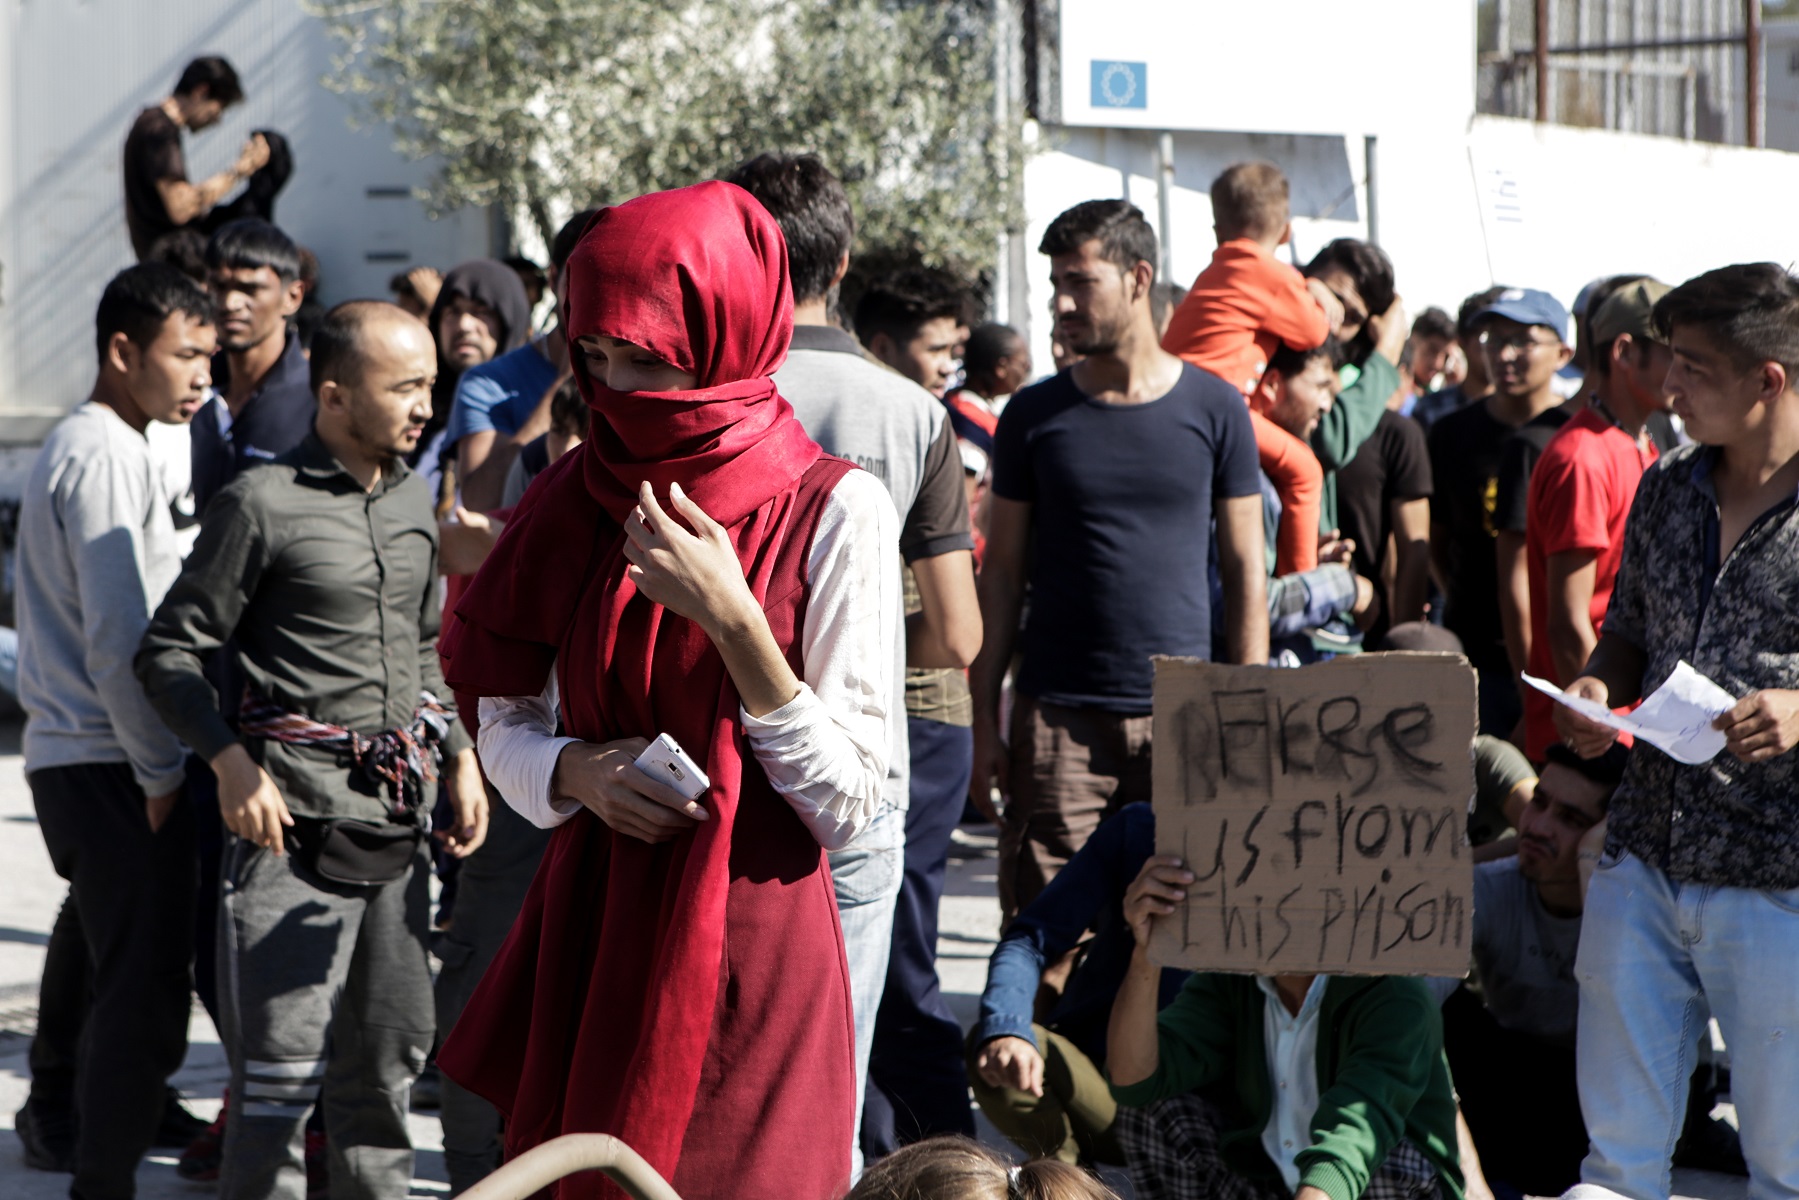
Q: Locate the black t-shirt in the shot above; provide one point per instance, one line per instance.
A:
(1466, 448)
(1392, 465)
(1121, 528)
(152, 154)
(1518, 458)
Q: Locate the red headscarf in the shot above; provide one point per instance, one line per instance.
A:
(597, 1013)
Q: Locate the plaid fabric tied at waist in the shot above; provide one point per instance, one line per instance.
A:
(405, 760)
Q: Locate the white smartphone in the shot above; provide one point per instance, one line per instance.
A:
(665, 760)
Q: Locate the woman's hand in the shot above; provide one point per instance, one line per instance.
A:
(689, 569)
(602, 778)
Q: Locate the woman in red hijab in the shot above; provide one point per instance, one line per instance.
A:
(698, 568)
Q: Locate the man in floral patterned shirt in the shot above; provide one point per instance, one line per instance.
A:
(1697, 893)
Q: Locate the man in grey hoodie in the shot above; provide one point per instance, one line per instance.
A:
(97, 550)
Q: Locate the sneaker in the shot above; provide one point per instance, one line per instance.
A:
(179, 1127)
(318, 1168)
(199, 1163)
(49, 1137)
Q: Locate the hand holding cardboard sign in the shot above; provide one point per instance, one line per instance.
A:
(1159, 886)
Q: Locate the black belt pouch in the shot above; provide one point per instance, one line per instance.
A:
(361, 853)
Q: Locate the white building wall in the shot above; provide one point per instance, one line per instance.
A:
(1497, 201)
(75, 75)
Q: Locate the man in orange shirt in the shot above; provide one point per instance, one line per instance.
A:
(1241, 309)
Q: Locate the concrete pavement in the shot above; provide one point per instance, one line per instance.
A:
(32, 893)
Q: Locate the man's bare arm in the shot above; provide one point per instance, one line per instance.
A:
(1514, 600)
(1240, 566)
(1001, 593)
(1618, 664)
(1411, 552)
(947, 632)
(1440, 539)
(484, 457)
(1569, 621)
(186, 201)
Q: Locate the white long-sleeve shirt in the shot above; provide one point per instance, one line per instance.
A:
(97, 552)
(825, 751)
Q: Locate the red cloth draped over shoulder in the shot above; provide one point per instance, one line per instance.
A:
(691, 997)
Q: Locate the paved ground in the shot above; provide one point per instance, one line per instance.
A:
(32, 893)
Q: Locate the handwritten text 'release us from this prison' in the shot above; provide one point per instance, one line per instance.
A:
(1323, 811)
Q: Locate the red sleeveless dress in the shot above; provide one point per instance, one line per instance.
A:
(570, 1030)
(690, 998)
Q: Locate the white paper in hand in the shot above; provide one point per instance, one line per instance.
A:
(1676, 719)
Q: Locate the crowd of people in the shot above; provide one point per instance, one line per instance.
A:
(465, 583)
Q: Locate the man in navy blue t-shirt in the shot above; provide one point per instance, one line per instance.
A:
(1110, 482)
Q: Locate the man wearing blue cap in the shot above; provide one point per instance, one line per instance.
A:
(1523, 336)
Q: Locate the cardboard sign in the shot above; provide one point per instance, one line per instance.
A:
(1324, 811)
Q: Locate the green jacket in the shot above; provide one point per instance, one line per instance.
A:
(1349, 423)
(1381, 1076)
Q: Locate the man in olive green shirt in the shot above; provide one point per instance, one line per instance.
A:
(322, 567)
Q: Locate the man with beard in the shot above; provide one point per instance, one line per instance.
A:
(1524, 337)
(264, 406)
(481, 312)
(1106, 482)
(1580, 496)
(97, 550)
(1511, 1046)
(322, 567)
(503, 405)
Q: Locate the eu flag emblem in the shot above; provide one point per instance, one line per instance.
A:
(1120, 84)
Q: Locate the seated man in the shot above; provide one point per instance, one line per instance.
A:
(1511, 1046)
(1513, 1055)
(1040, 1084)
(1503, 783)
(1314, 1087)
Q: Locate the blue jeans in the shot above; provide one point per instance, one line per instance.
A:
(867, 875)
(1652, 953)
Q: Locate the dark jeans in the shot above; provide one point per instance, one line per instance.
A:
(917, 1086)
(209, 839)
(1518, 1093)
(117, 970)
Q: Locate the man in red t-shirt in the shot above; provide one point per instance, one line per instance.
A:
(1580, 496)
